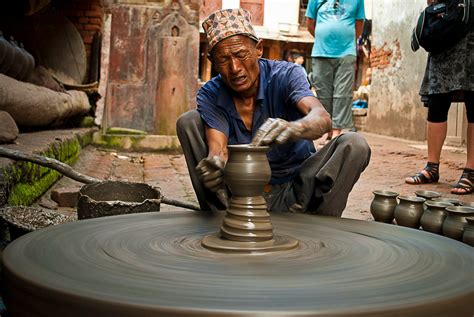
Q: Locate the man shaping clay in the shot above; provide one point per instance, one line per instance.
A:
(264, 102)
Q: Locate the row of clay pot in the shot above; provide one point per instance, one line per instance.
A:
(427, 209)
(15, 61)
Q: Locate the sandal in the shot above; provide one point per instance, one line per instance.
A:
(465, 184)
(430, 174)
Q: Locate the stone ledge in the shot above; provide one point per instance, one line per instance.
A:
(21, 183)
(128, 142)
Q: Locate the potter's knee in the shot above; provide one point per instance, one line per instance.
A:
(357, 144)
(187, 119)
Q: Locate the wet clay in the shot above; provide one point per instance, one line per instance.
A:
(153, 264)
(247, 226)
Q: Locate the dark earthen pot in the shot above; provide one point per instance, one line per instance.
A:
(434, 216)
(453, 226)
(468, 235)
(454, 201)
(383, 205)
(247, 170)
(409, 211)
(427, 194)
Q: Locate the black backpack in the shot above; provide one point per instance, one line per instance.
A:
(441, 25)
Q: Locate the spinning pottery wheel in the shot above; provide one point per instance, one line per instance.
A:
(175, 264)
(154, 264)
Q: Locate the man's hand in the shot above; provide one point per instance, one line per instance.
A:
(211, 172)
(277, 130)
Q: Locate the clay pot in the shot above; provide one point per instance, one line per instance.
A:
(383, 205)
(453, 226)
(409, 211)
(427, 194)
(434, 216)
(468, 235)
(247, 170)
(454, 201)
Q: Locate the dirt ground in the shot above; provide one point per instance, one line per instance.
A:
(392, 160)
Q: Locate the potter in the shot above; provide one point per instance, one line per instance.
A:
(262, 102)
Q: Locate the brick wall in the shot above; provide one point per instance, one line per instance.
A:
(385, 56)
(87, 16)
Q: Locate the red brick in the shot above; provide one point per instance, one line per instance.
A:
(66, 196)
(94, 14)
(83, 20)
(97, 21)
(96, 7)
(92, 27)
(87, 39)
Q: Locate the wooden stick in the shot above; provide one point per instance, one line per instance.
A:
(48, 162)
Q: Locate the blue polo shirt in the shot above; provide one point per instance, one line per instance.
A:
(281, 86)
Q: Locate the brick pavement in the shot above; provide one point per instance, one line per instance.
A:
(392, 160)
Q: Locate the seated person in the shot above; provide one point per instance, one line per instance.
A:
(264, 102)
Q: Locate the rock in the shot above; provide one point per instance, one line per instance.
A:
(8, 129)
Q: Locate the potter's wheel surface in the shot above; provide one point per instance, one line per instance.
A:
(152, 263)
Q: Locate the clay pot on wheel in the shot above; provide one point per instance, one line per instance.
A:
(247, 171)
(468, 235)
(434, 216)
(453, 226)
(383, 205)
(409, 211)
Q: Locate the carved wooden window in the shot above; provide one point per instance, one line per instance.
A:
(256, 8)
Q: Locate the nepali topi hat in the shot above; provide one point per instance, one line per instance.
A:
(225, 23)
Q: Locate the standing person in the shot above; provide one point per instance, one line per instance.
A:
(335, 24)
(299, 60)
(265, 102)
(448, 74)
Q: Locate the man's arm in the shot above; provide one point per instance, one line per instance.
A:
(359, 28)
(312, 126)
(310, 24)
(216, 143)
(316, 121)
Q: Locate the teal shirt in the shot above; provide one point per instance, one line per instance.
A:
(335, 26)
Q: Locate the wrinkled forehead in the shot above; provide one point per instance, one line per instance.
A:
(233, 44)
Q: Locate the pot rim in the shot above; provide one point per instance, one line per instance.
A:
(414, 199)
(461, 210)
(386, 193)
(427, 193)
(431, 203)
(248, 148)
(448, 199)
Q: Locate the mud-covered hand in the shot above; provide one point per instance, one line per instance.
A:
(211, 172)
(277, 130)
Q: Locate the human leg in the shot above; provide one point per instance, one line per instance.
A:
(326, 178)
(465, 183)
(344, 76)
(191, 135)
(436, 129)
(322, 81)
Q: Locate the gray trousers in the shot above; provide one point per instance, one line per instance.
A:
(333, 79)
(321, 186)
